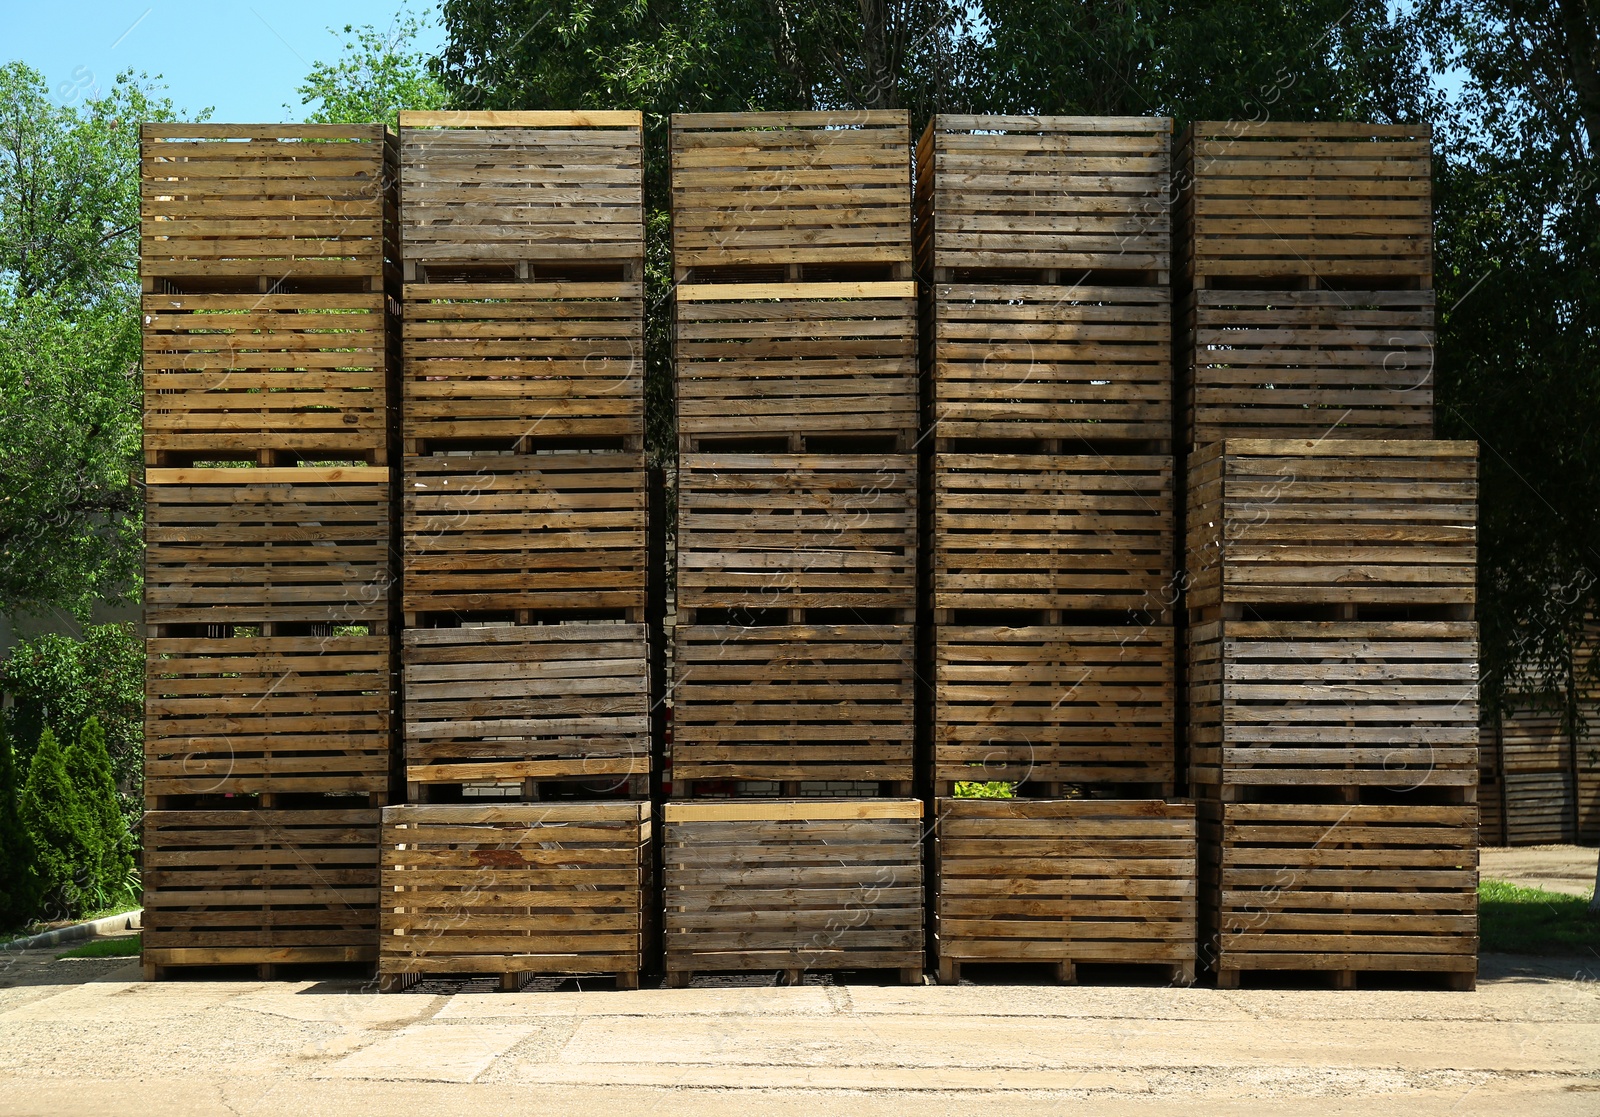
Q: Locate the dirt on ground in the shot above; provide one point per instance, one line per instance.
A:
(88, 1036)
(1556, 868)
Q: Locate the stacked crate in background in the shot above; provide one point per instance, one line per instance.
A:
(267, 253)
(1331, 654)
(1045, 245)
(525, 650)
(795, 353)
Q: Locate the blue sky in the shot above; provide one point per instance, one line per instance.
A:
(244, 59)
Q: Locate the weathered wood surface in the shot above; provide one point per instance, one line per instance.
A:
(557, 530)
(1065, 881)
(793, 702)
(1533, 750)
(1314, 704)
(272, 545)
(516, 702)
(244, 373)
(515, 888)
(1047, 192)
(480, 187)
(1053, 531)
(1323, 199)
(1033, 361)
(254, 886)
(801, 531)
(1051, 704)
(517, 360)
(777, 190)
(266, 714)
(224, 203)
(1339, 886)
(1311, 364)
(812, 363)
(799, 891)
(1333, 522)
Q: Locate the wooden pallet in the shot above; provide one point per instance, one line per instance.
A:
(268, 714)
(518, 532)
(1054, 704)
(233, 375)
(526, 702)
(508, 361)
(788, 191)
(275, 545)
(793, 886)
(792, 702)
(244, 207)
(797, 531)
(1061, 193)
(1349, 888)
(1053, 531)
(514, 889)
(522, 187)
(1333, 523)
(795, 359)
(232, 887)
(1287, 199)
(1033, 361)
(1536, 762)
(1390, 704)
(1308, 364)
(1065, 881)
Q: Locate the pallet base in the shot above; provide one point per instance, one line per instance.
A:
(1457, 981)
(511, 981)
(908, 968)
(270, 963)
(1066, 970)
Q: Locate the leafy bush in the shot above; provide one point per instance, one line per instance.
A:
(64, 834)
(105, 879)
(19, 877)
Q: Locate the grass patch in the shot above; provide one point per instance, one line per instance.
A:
(1518, 920)
(106, 948)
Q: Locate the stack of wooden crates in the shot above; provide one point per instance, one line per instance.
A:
(267, 255)
(795, 352)
(1045, 246)
(524, 845)
(1331, 648)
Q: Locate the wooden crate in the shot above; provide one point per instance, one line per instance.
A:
(1308, 364)
(522, 187)
(514, 889)
(788, 191)
(1537, 763)
(268, 714)
(269, 545)
(1390, 704)
(793, 886)
(233, 206)
(1079, 361)
(1323, 199)
(1053, 531)
(1587, 761)
(519, 532)
(1333, 523)
(792, 702)
(509, 361)
(1065, 881)
(1060, 193)
(228, 887)
(796, 359)
(526, 702)
(1054, 704)
(797, 531)
(1340, 887)
(240, 374)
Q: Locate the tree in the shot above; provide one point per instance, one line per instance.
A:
(19, 875)
(109, 868)
(377, 74)
(61, 681)
(61, 830)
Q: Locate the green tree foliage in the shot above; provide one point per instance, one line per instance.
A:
(62, 682)
(377, 74)
(19, 876)
(63, 831)
(107, 874)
